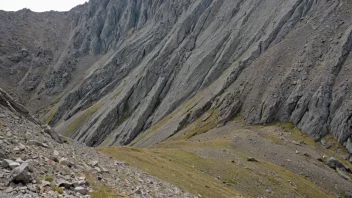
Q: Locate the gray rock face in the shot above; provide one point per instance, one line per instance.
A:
(123, 66)
(349, 145)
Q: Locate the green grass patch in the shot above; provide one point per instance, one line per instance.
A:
(179, 163)
(100, 190)
(76, 124)
(119, 90)
(48, 117)
(175, 166)
(198, 127)
(57, 189)
(49, 178)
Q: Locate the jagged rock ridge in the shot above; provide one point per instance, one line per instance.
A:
(267, 60)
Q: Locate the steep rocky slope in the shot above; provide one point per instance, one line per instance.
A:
(113, 70)
(34, 165)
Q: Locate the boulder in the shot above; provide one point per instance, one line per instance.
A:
(21, 147)
(94, 163)
(336, 164)
(37, 143)
(21, 174)
(252, 159)
(53, 134)
(14, 165)
(65, 162)
(64, 183)
(81, 190)
(6, 163)
(79, 183)
(325, 143)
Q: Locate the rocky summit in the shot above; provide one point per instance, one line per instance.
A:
(222, 98)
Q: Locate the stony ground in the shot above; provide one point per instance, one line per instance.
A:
(34, 165)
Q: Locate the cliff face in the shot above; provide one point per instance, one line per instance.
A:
(123, 67)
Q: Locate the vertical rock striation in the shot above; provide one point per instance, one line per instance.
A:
(123, 66)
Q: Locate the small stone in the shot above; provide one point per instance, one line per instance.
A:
(36, 143)
(295, 142)
(16, 149)
(268, 191)
(65, 162)
(54, 158)
(252, 159)
(6, 163)
(2, 116)
(14, 165)
(21, 147)
(325, 144)
(297, 152)
(44, 183)
(64, 183)
(79, 183)
(32, 188)
(9, 189)
(56, 153)
(81, 190)
(82, 178)
(98, 169)
(94, 163)
(307, 154)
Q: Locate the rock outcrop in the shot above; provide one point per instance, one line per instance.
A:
(121, 67)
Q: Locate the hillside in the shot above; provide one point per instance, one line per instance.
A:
(148, 73)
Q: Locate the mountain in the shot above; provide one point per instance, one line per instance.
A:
(109, 70)
(165, 75)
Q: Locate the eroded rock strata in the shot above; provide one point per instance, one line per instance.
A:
(110, 70)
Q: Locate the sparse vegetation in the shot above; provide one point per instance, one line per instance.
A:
(48, 117)
(211, 173)
(119, 89)
(57, 189)
(81, 119)
(198, 127)
(154, 128)
(100, 190)
(49, 178)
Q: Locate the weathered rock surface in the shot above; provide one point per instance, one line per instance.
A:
(117, 68)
